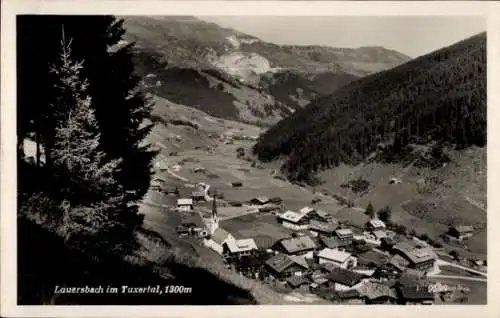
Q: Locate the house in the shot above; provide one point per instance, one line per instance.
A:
(374, 292)
(185, 204)
(395, 181)
(379, 234)
(238, 248)
(344, 279)
(297, 281)
(217, 240)
(393, 269)
(199, 170)
(344, 234)
(309, 213)
(259, 200)
(276, 200)
(387, 243)
(296, 245)
(237, 184)
(419, 257)
(182, 231)
(198, 196)
(336, 257)
(283, 266)
(293, 220)
(415, 295)
(322, 229)
(461, 232)
(325, 216)
(372, 259)
(333, 242)
(375, 225)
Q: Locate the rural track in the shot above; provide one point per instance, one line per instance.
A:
(475, 279)
(443, 262)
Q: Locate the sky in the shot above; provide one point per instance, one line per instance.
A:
(413, 35)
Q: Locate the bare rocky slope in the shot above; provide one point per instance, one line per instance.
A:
(237, 76)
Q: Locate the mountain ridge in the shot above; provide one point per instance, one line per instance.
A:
(249, 79)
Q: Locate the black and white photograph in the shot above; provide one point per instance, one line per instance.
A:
(250, 160)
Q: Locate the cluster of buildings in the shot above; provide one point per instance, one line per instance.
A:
(326, 257)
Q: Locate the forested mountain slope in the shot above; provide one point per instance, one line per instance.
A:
(436, 99)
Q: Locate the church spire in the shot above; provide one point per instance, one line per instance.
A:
(215, 220)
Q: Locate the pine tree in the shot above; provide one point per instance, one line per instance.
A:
(385, 213)
(370, 211)
(93, 202)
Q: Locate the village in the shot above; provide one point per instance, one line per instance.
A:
(318, 254)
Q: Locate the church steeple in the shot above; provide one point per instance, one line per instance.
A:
(215, 219)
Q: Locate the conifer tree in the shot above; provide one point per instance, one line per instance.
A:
(370, 211)
(93, 204)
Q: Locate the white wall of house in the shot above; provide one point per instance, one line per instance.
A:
(294, 226)
(185, 208)
(352, 260)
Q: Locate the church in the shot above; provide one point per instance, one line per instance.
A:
(223, 242)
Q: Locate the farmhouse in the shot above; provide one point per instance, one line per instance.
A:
(238, 248)
(372, 259)
(325, 216)
(377, 293)
(296, 245)
(344, 234)
(415, 295)
(336, 257)
(276, 200)
(379, 234)
(323, 229)
(198, 196)
(461, 232)
(333, 243)
(420, 258)
(237, 184)
(259, 200)
(392, 269)
(293, 220)
(343, 279)
(185, 204)
(375, 225)
(283, 266)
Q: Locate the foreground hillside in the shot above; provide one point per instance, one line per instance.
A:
(435, 99)
(237, 76)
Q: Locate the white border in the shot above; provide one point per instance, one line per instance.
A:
(10, 8)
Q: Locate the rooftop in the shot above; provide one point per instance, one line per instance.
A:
(185, 202)
(291, 216)
(343, 232)
(344, 276)
(281, 262)
(373, 257)
(379, 234)
(298, 244)
(306, 210)
(414, 252)
(322, 226)
(242, 245)
(334, 255)
(333, 242)
(261, 199)
(374, 290)
(416, 293)
(296, 281)
(348, 294)
(220, 235)
(464, 228)
(377, 223)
